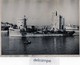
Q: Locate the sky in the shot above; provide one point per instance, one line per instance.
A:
(39, 12)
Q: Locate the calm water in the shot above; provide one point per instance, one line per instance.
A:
(40, 45)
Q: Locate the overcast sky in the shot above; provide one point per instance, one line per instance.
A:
(39, 12)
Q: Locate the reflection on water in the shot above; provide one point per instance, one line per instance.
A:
(25, 42)
(39, 45)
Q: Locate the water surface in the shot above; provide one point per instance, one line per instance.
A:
(40, 45)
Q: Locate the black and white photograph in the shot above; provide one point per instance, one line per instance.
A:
(40, 27)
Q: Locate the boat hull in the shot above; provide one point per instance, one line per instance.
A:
(16, 32)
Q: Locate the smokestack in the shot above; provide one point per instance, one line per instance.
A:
(56, 13)
(63, 23)
(60, 22)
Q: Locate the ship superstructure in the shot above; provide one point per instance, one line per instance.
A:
(58, 22)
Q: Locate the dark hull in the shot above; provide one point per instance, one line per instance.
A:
(57, 33)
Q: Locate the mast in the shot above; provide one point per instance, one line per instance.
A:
(25, 23)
